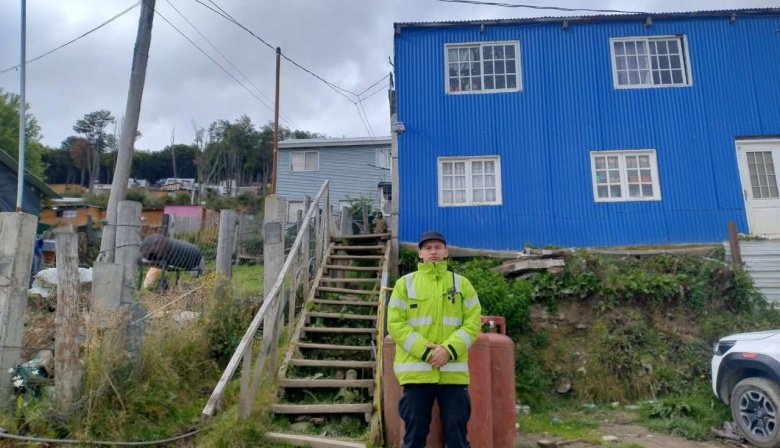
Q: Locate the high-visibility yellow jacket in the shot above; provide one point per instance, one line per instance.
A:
(424, 309)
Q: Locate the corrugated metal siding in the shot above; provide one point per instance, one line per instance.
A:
(568, 107)
(762, 259)
(348, 168)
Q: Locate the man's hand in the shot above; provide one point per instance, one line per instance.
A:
(439, 357)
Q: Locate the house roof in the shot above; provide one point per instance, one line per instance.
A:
(30, 178)
(326, 142)
(744, 12)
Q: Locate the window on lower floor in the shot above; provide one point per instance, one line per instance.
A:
(625, 176)
(305, 161)
(469, 181)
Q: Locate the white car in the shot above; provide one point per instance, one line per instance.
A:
(746, 376)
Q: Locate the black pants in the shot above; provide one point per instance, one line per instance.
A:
(416, 407)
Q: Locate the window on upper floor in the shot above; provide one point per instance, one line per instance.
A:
(625, 176)
(483, 67)
(469, 181)
(305, 161)
(657, 61)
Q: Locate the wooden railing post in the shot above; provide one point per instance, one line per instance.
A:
(305, 249)
(66, 346)
(736, 251)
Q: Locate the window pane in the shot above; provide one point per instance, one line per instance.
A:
(446, 168)
(612, 162)
(661, 47)
(622, 78)
(675, 61)
(478, 195)
(614, 191)
(460, 167)
(602, 191)
(499, 67)
(601, 176)
(621, 63)
(773, 192)
(447, 199)
(447, 183)
(673, 47)
(488, 65)
(490, 180)
(464, 85)
(460, 181)
(511, 81)
(601, 163)
(630, 162)
(510, 51)
(619, 48)
(630, 48)
(644, 161)
(489, 84)
(633, 176)
(490, 195)
(464, 69)
(476, 83)
(296, 161)
(633, 78)
(476, 167)
(500, 82)
(475, 54)
(476, 181)
(510, 67)
(487, 52)
(663, 62)
(460, 196)
(614, 176)
(312, 161)
(646, 177)
(633, 191)
(647, 191)
(490, 166)
(498, 52)
(464, 54)
(633, 64)
(677, 77)
(454, 85)
(475, 68)
(666, 77)
(641, 48)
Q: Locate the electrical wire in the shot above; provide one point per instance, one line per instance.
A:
(76, 39)
(284, 117)
(538, 7)
(217, 63)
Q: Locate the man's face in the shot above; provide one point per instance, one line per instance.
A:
(433, 250)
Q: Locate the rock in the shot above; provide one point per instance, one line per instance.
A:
(609, 439)
(582, 327)
(632, 407)
(589, 406)
(556, 421)
(561, 316)
(538, 312)
(317, 376)
(351, 374)
(582, 370)
(301, 418)
(339, 375)
(348, 420)
(615, 404)
(544, 443)
(564, 386)
(522, 409)
(299, 427)
(319, 421)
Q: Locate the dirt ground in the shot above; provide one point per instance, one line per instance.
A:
(630, 434)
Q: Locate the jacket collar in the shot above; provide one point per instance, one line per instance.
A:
(435, 269)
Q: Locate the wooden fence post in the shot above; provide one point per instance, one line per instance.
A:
(306, 251)
(736, 251)
(66, 362)
(16, 253)
(227, 232)
(366, 230)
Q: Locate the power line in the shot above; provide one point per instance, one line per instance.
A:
(215, 62)
(554, 8)
(74, 40)
(372, 85)
(374, 93)
(287, 119)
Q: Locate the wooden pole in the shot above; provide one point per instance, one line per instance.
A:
(366, 230)
(306, 250)
(276, 119)
(273, 254)
(16, 253)
(129, 127)
(300, 264)
(227, 232)
(736, 251)
(66, 362)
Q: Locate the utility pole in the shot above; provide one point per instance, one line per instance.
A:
(276, 121)
(129, 127)
(22, 111)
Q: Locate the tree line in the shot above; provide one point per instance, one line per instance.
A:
(237, 151)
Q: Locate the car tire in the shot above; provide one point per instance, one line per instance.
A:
(755, 407)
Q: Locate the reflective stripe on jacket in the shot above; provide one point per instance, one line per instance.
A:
(423, 310)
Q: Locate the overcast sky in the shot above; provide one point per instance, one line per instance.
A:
(346, 42)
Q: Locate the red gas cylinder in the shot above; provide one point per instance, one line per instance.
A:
(502, 357)
(480, 427)
(394, 425)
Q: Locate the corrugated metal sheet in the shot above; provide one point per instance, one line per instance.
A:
(352, 171)
(569, 107)
(762, 259)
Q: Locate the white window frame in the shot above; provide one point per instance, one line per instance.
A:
(518, 67)
(303, 153)
(383, 158)
(469, 179)
(624, 183)
(686, 63)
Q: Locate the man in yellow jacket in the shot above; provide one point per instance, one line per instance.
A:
(434, 316)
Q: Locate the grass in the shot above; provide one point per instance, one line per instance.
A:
(248, 281)
(564, 423)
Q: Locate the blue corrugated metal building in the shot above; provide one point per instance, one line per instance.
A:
(589, 131)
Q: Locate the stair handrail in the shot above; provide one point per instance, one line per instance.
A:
(244, 348)
(384, 289)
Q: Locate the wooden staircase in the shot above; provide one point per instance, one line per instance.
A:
(330, 367)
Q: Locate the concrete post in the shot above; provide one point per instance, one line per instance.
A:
(273, 254)
(67, 366)
(128, 254)
(16, 252)
(227, 233)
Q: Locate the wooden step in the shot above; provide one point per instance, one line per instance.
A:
(312, 441)
(364, 292)
(350, 248)
(305, 383)
(339, 330)
(369, 236)
(322, 408)
(344, 267)
(340, 315)
(353, 348)
(357, 257)
(349, 280)
(344, 302)
(333, 363)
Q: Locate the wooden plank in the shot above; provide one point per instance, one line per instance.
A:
(368, 236)
(344, 302)
(339, 330)
(459, 252)
(358, 257)
(322, 408)
(341, 315)
(353, 268)
(364, 292)
(66, 363)
(309, 383)
(311, 441)
(333, 363)
(349, 280)
(350, 248)
(518, 266)
(334, 347)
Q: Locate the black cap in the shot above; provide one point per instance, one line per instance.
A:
(431, 235)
